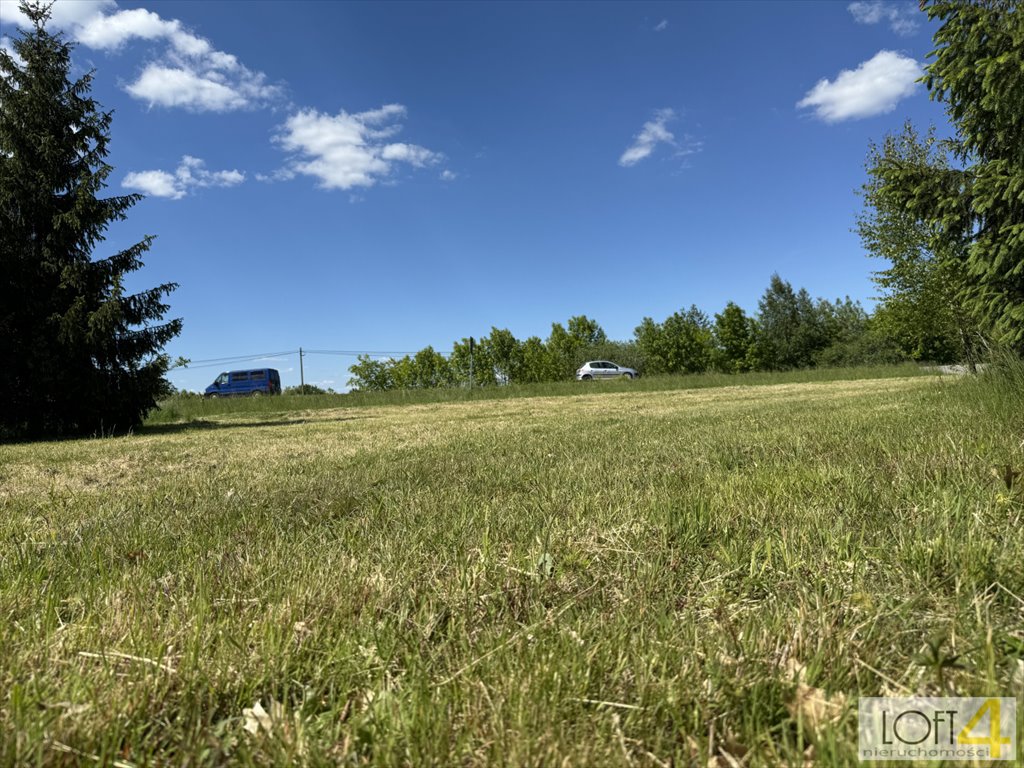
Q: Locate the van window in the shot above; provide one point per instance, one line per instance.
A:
(240, 376)
(259, 375)
(222, 379)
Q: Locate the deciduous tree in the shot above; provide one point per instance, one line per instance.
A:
(539, 363)
(924, 301)
(566, 346)
(371, 375)
(734, 335)
(506, 355)
(680, 344)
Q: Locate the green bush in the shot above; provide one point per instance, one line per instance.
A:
(305, 389)
(867, 349)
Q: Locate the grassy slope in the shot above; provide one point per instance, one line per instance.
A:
(193, 409)
(604, 579)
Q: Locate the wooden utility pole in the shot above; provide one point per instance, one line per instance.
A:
(302, 374)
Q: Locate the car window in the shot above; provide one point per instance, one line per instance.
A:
(597, 364)
(613, 366)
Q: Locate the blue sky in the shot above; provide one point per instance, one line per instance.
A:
(385, 176)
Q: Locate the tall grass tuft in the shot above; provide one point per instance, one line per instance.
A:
(999, 388)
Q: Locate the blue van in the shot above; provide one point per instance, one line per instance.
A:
(259, 381)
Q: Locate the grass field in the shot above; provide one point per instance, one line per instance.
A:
(193, 409)
(604, 576)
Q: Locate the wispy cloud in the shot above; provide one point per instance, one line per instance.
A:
(688, 145)
(345, 151)
(188, 71)
(447, 175)
(190, 174)
(661, 26)
(653, 133)
(902, 16)
(873, 88)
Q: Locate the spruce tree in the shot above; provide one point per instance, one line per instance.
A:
(80, 355)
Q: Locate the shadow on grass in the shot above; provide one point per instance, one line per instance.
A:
(205, 424)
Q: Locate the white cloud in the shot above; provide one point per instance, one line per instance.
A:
(347, 150)
(180, 87)
(190, 173)
(661, 26)
(156, 183)
(188, 73)
(653, 133)
(873, 88)
(902, 17)
(447, 175)
(112, 31)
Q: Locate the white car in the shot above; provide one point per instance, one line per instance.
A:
(602, 369)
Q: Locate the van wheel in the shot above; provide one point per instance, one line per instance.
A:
(213, 396)
(255, 393)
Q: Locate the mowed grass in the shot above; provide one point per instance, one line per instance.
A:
(193, 409)
(688, 577)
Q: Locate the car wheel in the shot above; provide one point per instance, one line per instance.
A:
(627, 375)
(586, 377)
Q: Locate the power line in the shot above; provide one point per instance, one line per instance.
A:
(369, 353)
(216, 365)
(213, 362)
(237, 358)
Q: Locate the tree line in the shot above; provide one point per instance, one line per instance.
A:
(790, 330)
